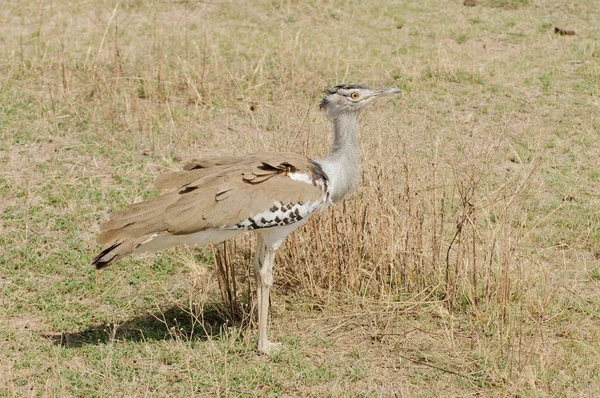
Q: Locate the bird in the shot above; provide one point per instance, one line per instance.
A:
(271, 194)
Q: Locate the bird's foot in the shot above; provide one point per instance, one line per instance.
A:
(268, 348)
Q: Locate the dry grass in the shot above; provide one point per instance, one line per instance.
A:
(466, 263)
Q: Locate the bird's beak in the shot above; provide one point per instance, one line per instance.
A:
(385, 92)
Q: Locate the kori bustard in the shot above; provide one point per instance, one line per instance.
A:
(216, 199)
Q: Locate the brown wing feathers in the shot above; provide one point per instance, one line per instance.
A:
(207, 194)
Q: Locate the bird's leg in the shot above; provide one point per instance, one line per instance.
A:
(263, 272)
(258, 260)
(266, 275)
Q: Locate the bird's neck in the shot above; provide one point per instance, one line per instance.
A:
(342, 162)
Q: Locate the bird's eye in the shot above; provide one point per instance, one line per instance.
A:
(354, 95)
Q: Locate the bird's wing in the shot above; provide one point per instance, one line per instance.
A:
(228, 193)
(239, 196)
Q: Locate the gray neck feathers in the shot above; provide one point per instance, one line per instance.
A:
(342, 163)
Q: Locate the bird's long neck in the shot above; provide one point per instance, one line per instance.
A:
(342, 162)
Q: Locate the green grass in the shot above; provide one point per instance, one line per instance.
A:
(467, 261)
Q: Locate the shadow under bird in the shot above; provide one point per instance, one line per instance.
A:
(216, 199)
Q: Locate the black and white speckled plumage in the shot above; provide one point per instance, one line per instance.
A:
(279, 215)
(282, 214)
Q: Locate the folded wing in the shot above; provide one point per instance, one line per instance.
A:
(213, 199)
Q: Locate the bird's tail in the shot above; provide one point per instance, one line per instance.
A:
(109, 255)
(117, 248)
(129, 229)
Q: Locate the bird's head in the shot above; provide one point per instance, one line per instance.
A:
(351, 98)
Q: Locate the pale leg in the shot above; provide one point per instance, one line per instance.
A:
(258, 260)
(263, 273)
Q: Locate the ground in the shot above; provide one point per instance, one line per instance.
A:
(466, 263)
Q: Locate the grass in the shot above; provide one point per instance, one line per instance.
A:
(467, 261)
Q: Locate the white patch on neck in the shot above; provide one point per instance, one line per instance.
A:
(301, 177)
